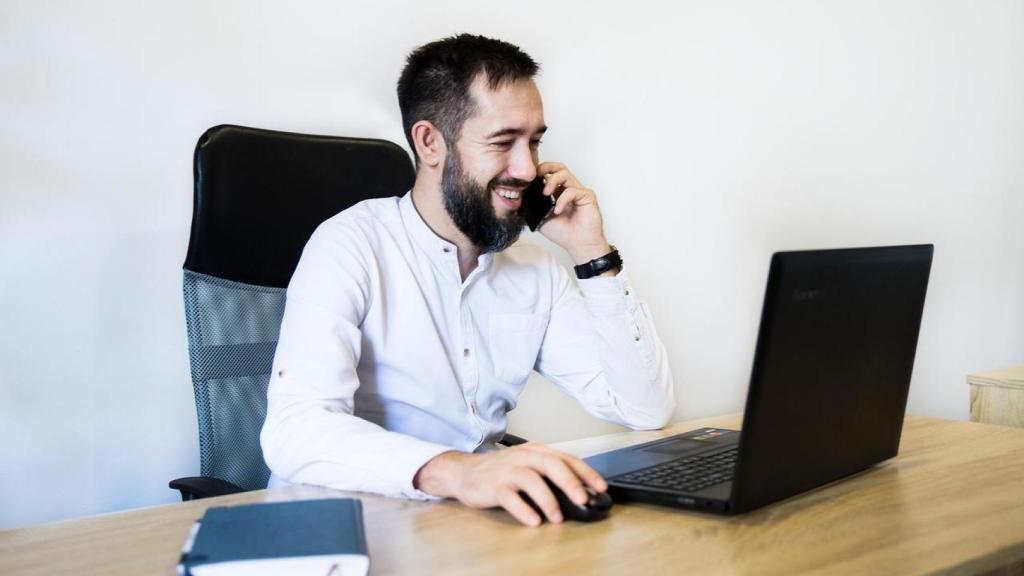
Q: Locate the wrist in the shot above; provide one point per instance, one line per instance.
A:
(606, 265)
(586, 252)
(441, 475)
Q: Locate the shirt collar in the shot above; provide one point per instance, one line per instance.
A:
(440, 251)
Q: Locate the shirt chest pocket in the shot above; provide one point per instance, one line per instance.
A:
(515, 341)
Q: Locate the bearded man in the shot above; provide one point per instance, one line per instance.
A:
(412, 323)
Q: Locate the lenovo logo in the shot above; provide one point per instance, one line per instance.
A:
(802, 295)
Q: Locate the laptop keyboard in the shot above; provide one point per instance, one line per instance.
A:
(685, 474)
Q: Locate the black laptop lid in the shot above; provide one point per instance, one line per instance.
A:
(831, 373)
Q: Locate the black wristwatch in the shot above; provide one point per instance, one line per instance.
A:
(599, 266)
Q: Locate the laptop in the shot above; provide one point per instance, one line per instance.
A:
(827, 394)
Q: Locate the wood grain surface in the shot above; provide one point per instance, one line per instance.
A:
(951, 502)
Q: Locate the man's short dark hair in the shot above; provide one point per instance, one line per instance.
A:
(434, 85)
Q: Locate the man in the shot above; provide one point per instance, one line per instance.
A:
(412, 324)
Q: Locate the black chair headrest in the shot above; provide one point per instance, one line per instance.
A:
(260, 194)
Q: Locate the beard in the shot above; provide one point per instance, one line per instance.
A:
(469, 206)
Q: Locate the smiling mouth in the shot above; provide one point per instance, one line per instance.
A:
(510, 198)
(511, 194)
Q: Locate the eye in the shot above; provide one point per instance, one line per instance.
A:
(502, 144)
(536, 143)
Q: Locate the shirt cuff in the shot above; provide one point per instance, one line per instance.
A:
(410, 466)
(609, 294)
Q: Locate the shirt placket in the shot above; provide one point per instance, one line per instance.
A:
(468, 365)
(470, 371)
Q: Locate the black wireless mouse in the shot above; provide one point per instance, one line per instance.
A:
(596, 508)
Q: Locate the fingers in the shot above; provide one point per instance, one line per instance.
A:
(510, 500)
(557, 181)
(534, 486)
(573, 197)
(572, 474)
(556, 176)
(589, 476)
(545, 168)
(506, 477)
(563, 475)
(568, 473)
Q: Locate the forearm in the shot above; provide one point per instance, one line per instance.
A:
(314, 444)
(633, 358)
(311, 434)
(602, 348)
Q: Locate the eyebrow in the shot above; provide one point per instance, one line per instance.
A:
(513, 132)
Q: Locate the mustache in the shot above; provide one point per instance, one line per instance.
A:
(509, 182)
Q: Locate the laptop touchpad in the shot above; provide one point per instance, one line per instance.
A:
(678, 447)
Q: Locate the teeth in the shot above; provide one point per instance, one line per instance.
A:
(510, 194)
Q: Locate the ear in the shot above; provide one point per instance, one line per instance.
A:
(430, 144)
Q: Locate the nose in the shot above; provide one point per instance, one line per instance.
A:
(522, 164)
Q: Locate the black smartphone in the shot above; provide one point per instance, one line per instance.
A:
(536, 207)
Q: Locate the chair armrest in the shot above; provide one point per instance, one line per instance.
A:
(196, 487)
(511, 440)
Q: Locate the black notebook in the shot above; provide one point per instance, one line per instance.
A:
(323, 537)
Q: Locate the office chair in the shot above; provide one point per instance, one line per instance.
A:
(259, 195)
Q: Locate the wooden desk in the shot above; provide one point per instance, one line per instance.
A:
(952, 502)
(997, 396)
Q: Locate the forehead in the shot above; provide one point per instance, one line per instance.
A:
(512, 105)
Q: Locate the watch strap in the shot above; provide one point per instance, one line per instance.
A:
(600, 265)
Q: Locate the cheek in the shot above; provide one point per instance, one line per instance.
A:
(487, 177)
(486, 168)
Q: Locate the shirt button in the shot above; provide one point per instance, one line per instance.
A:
(636, 338)
(465, 352)
(447, 249)
(627, 291)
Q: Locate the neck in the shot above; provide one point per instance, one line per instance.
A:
(429, 202)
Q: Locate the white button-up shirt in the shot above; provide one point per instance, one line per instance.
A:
(388, 358)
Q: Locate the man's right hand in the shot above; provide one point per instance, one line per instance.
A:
(496, 478)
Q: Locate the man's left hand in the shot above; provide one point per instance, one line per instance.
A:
(576, 223)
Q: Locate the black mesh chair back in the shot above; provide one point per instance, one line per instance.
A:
(259, 194)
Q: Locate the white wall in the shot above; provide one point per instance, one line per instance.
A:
(714, 132)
